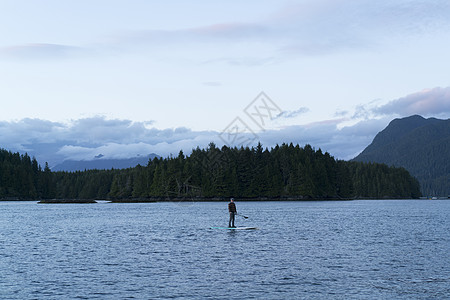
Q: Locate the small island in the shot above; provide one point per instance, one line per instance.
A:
(284, 172)
(67, 201)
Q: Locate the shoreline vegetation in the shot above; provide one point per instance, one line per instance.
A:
(199, 200)
(215, 199)
(282, 173)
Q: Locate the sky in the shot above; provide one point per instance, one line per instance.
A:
(79, 78)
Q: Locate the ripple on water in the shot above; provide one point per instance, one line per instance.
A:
(310, 250)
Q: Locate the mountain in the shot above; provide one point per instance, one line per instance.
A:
(421, 146)
(101, 163)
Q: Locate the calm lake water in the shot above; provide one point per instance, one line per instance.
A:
(381, 249)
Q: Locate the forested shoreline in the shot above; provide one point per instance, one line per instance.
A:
(282, 172)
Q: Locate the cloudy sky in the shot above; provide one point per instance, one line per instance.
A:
(121, 78)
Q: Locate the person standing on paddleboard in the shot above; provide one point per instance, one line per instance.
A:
(233, 212)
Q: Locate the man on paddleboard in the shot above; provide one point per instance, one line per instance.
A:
(233, 212)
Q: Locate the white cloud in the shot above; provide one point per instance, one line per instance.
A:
(212, 83)
(306, 28)
(313, 27)
(107, 151)
(41, 51)
(17, 134)
(341, 142)
(288, 114)
(84, 139)
(321, 27)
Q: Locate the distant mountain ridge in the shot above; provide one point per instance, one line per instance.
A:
(100, 163)
(422, 146)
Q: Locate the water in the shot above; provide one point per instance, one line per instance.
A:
(303, 250)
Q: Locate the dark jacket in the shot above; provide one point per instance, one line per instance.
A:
(231, 207)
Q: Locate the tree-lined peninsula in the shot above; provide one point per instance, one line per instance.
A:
(282, 172)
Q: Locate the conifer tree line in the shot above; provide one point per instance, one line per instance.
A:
(283, 172)
(21, 177)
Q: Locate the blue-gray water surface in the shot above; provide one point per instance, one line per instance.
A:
(380, 249)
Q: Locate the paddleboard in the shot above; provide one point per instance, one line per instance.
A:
(235, 228)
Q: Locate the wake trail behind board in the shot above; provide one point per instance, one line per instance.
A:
(235, 228)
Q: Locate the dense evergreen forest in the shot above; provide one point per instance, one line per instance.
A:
(21, 177)
(283, 172)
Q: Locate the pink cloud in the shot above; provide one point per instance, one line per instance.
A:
(426, 102)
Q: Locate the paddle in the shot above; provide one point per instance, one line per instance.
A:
(242, 216)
